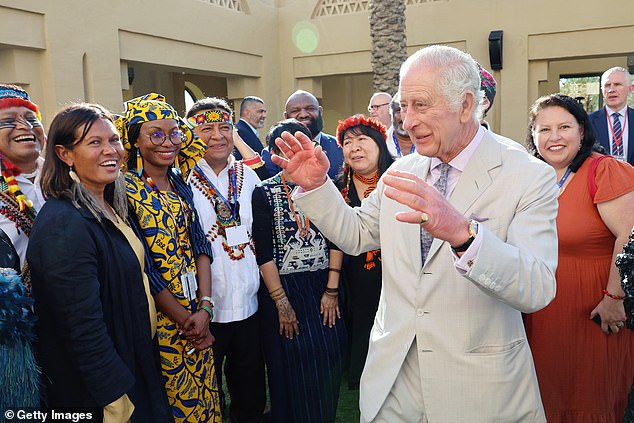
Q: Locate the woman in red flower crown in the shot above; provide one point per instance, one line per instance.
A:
(366, 157)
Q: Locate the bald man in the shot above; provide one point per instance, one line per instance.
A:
(379, 108)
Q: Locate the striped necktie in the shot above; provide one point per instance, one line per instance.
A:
(617, 132)
(441, 185)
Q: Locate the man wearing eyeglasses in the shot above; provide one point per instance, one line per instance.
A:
(379, 108)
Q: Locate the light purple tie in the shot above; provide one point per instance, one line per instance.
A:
(441, 185)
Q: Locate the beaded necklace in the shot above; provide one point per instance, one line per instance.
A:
(15, 205)
(371, 256)
(370, 182)
(304, 230)
(224, 220)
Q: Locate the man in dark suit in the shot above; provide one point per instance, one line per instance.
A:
(304, 107)
(611, 123)
(252, 117)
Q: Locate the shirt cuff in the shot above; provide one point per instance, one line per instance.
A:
(465, 262)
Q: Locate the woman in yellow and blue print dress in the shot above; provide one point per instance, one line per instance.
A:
(178, 255)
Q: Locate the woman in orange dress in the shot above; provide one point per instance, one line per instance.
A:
(583, 354)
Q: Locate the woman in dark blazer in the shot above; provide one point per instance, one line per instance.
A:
(96, 318)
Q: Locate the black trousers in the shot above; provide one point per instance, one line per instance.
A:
(239, 348)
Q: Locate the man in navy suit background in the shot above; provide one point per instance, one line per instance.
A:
(252, 117)
(304, 107)
(612, 123)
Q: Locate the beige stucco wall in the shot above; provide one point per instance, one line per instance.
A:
(80, 50)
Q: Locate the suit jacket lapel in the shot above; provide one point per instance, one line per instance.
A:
(475, 179)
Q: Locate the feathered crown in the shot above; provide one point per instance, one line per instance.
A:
(359, 120)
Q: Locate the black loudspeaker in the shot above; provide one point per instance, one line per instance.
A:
(495, 49)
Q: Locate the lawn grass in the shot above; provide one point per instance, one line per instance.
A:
(347, 408)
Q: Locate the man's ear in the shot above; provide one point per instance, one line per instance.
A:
(467, 107)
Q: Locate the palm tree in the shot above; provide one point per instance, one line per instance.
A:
(387, 32)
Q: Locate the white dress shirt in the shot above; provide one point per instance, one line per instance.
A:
(234, 282)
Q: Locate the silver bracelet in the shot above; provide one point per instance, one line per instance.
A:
(207, 298)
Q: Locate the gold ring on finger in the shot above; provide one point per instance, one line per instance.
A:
(424, 218)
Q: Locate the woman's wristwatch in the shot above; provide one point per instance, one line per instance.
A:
(208, 299)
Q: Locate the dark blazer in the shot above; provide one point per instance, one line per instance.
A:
(328, 144)
(602, 131)
(334, 152)
(94, 325)
(246, 133)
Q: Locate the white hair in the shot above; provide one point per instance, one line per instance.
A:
(610, 71)
(459, 75)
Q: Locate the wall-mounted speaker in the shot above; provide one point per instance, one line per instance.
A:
(495, 49)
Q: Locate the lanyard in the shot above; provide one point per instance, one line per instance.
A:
(231, 174)
(398, 148)
(618, 140)
(563, 178)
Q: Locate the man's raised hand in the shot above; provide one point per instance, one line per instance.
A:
(305, 164)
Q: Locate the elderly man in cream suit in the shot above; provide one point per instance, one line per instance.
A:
(448, 344)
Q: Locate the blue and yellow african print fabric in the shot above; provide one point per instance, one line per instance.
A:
(167, 224)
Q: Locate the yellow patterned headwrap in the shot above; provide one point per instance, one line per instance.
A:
(147, 108)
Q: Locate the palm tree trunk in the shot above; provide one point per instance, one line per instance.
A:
(387, 32)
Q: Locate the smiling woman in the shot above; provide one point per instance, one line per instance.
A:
(584, 369)
(222, 188)
(162, 152)
(96, 318)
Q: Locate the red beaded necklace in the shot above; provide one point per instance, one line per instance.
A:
(370, 182)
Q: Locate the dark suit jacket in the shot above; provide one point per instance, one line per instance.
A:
(334, 153)
(94, 325)
(602, 131)
(330, 147)
(246, 133)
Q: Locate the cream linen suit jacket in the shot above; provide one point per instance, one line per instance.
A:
(476, 365)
